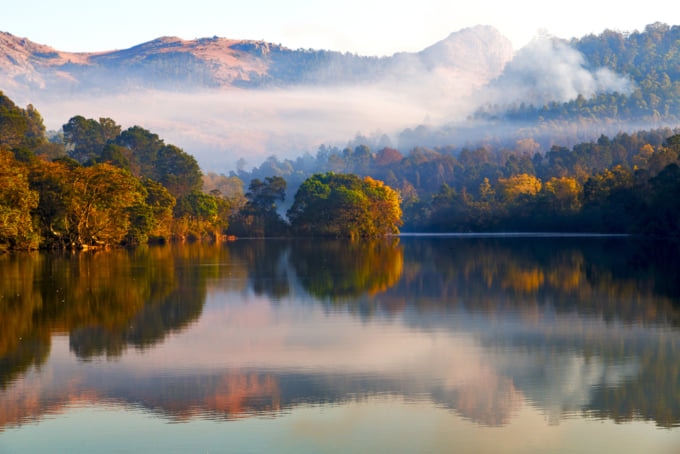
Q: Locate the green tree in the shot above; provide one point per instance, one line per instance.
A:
(161, 203)
(661, 216)
(87, 137)
(20, 128)
(265, 194)
(259, 217)
(177, 171)
(196, 216)
(142, 150)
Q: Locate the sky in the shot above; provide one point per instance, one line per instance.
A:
(365, 27)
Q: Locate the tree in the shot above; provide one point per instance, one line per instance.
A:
(264, 194)
(562, 195)
(20, 127)
(81, 207)
(343, 205)
(196, 216)
(52, 182)
(95, 217)
(16, 202)
(161, 203)
(661, 214)
(259, 217)
(143, 147)
(510, 189)
(35, 132)
(387, 156)
(177, 171)
(87, 137)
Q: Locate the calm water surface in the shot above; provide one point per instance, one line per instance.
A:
(443, 344)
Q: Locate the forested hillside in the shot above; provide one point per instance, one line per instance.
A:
(650, 59)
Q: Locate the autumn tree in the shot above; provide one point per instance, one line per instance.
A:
(17, 200)
(513, 188)
(344, 205)
(562, 195)
(81, 207)
(53, 183)
(97, 218)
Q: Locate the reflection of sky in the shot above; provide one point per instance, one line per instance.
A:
(379, 424)
(485, 368)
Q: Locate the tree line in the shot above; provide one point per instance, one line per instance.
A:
(96, 185)
(628, 183)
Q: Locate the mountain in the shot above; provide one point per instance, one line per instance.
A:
(170, 63)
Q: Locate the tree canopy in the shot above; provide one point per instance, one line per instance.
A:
(344, 205)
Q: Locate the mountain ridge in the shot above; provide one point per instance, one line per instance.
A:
(172, 63)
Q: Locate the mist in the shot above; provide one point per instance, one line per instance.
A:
(549, 70)
(221, 126)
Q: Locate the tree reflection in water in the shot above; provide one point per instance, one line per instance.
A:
(539, 310)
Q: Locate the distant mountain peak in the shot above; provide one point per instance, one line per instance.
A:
(482, 44)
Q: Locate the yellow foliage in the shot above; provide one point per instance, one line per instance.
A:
(523, 184)
(563, 193)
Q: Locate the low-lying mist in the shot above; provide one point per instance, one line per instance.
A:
(221, 126)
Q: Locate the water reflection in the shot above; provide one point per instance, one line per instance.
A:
(344, 271)
(573, 328)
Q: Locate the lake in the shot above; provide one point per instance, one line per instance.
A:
(498, 344)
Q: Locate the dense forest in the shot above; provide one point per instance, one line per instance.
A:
(629, 183)
(95, 184)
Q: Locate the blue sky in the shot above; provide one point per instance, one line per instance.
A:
(367, 27)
